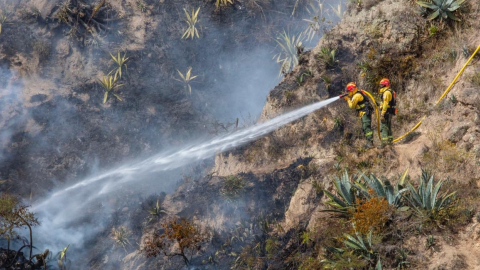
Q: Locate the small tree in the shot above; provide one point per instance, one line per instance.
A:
(180, 234)
(14, 216)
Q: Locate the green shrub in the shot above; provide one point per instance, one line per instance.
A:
(233, 187)
(442, 8)
(327, 57)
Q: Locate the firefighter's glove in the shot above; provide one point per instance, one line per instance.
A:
(346, 98)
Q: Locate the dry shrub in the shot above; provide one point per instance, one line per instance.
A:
(371, 214)
(179, 234)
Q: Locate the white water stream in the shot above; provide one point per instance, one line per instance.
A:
(164, 162)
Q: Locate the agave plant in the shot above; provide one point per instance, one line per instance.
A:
(359, 245)
(393, 194)
(186, 79)
(289, 45)
(442, 8)
(109, 84)
(120, 61)
(155, 211)
(191, 20)
(427, 197)
(347, 193)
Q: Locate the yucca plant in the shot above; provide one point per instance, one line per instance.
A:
(120, 61)
(393, 194)
(289, 45)
(427, 197)
(109, 84)
(315, 10)
(155, 211)
(338, 11)
(186, 79)
(63, 262)
(327, 57)
(120, 237)
(442, 8)
(191, 20)
(223, 3)
(3, 19)
(346, 190)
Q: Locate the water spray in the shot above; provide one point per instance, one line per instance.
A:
(164, 162)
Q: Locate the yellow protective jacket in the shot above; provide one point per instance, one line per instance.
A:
(357, 102)
(386, 98)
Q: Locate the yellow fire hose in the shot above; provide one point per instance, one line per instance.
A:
(438, 101)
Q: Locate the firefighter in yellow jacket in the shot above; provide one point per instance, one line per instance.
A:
(388, 109)
(359, 101)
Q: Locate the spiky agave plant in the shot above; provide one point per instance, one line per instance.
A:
(186, 79)
(121, 62)
(346, 198)
(315, 10)
(427, 197)
(109, 84)
(289, 45)
(442, 8)
(392, 194)
(191, 20)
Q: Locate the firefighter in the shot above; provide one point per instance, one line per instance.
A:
(388, 109)
(357, 100)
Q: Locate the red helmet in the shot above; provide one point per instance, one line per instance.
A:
(351, 86)
(384, 82)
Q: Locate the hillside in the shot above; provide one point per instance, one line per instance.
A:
(267, 204)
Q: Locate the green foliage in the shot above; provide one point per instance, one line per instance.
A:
(300, 79)
(109, 84)
(327, 57)
(155, 212)
(475, 79)
(62, 261)
(359, 245)
(306, 238)
(233, 187)
(121, 237)
(271, 247)
(191, 20)
(427, 197)
(442, 8)
(289, 47)
(315, 10)
(344, 260)
(3, 19)
(141, 6)
(120, 61)
(327, 80)
(345, 189)
(432, 31)
(392, 194)
(186, 79)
